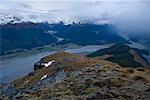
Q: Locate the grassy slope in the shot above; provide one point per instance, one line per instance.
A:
(120, 54)
(97, 80)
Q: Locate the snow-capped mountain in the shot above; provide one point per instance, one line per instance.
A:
(30, 35)
(4, 19)
(9, 18)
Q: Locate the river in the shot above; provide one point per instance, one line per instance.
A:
(15, 67)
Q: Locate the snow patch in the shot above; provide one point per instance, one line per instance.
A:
(48, 64)
(60, 39)
(45, 76)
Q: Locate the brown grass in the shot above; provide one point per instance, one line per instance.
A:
(140, 78)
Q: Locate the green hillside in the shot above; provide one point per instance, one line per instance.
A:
(121, 55)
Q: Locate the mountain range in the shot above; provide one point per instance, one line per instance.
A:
(31, 35)
(118, 72)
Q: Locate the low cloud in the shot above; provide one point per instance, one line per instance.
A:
(26, 6)
(127, 15)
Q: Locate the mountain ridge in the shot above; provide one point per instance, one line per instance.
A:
(12, 19)
(29, 35)
(80, 77)
(122, 54)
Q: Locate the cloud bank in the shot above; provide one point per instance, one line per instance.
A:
(126, 14)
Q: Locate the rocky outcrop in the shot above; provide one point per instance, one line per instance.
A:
(81, 78)
(50, 60)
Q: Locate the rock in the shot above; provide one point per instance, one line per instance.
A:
(38, 66)
(80, 78)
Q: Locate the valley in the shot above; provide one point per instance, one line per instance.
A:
(74, 50)
(79, 77)
(27, 36)
(72, 63)
(13, 67)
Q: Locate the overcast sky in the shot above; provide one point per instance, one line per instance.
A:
(125, 13)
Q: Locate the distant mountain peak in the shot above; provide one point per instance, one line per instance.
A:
(4, 19)
(9, 18)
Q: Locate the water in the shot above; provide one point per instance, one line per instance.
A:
(15, 67)
(88, 48)
(141, 47)
(148, 58)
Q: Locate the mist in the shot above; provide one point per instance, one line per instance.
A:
(131, 17)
